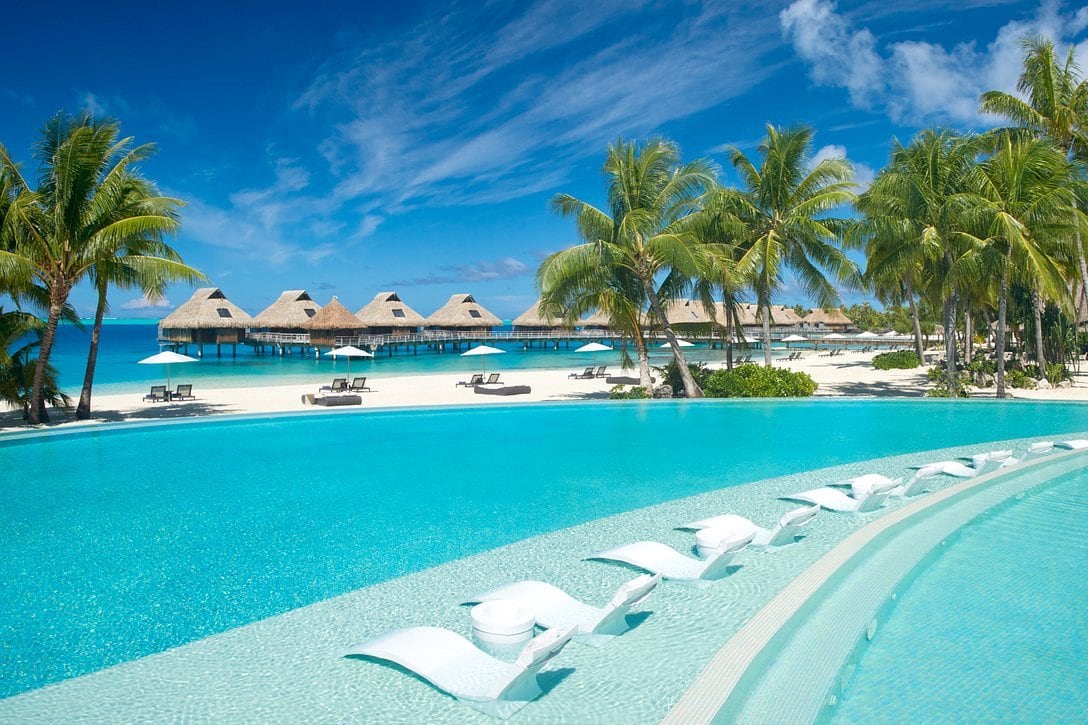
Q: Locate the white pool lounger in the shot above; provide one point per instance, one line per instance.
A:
(657, 558)
(861, 486)
(554, 608)
(454, 665)
(733, 525)
(833, 499)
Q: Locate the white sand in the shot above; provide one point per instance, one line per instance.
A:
(851, 374)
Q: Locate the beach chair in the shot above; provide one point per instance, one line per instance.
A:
(602, 371)
(358, 385)
(158, 394)
(339, 385)
(184, 392)
(492, 379)
(657, 558)
(833, 499)
(456, 666)
(585, 375)
(554, 608)
(861, 486)
(476, 379)
(732, 525)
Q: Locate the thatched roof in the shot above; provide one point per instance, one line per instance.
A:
(828, 317)
(597, 319)
(387, 310)
(293, 308)
(687, 312)
(533, 317)
(781, 315)
(207, 309)
(334, 316)
(462, 311)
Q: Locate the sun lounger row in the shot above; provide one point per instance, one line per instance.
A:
(478, 379)
(159, 394)
(340, 385)
(455, 665)
(793, 356)
(590, 373)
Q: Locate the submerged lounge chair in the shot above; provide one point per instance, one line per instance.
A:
(861, 486)
(454, 665)
(657, 558)
(980, 464)
(554, 608)
(476, 379)
(733, 525)
(1073, 445)
(833, 499)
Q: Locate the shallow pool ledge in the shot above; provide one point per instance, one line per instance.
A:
(761, 674)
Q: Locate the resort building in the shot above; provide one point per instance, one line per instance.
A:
(691, 318)
(462, 312)
(206, 318)
(333, 321)
(387, 314)
(832, 319)
(291, 312)
(596, 321)
(533, 320)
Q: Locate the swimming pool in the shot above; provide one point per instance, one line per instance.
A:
(158, 535)
(995, 629)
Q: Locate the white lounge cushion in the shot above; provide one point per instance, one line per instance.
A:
(657, 558)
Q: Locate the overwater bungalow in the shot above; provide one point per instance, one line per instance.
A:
(387, 314)
(832, 320)
(291, 312)
(533, 320)
(596, 321)
(691, 318)
(462, 312)
(333, 321)
(207, 318)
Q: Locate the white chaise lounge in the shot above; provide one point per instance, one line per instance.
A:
(657, 558)
(454, 665)
(981, 463)
(732, 525)
(554, 608)
(833, 499)
(861, 486)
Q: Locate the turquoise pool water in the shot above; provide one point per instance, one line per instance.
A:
(995, 629)
(124, 542)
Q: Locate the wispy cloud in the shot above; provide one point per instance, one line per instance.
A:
(508, 268)
(863, 173)
(145, 303)
(917, 82)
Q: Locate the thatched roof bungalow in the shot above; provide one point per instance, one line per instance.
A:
(208, 317)
(462, 312)
(386, 314)
(832, 319)
(291, 312)
(691, 317)
(533, 319)
(596, 321)
(332, 321)
(781, 316)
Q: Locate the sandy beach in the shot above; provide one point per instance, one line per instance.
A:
(851, 374)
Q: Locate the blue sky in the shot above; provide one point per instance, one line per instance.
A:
(353, 147)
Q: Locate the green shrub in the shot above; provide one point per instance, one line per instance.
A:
(942, 389)
(1057, 373)
(756, 381)
(620, 392)
(898, 360)
(1017, 378)
(671, 373)
(982, 366)
(936, 375)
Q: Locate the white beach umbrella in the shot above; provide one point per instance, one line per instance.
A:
(835, 336)
(679, 343)
(349, 351)
(867, 334)
(483, 350)
(594, 347)
(891, 333)
(793, 338)
(167, 358)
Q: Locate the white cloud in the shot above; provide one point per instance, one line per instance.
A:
(144, 303)
(506, 268)
(863, 173)
(918, 82)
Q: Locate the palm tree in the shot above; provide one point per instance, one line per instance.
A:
(913, 213)
(56, 233)
(641, 237)
(1055, 106)
(137, 261)
(1022, 212)
(783, 209)
(20, 334)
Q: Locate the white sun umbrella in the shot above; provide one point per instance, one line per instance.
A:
(483, 350)
(835, 336)
(793, 338)
(349, 352)
(679, 343)
(867, 334)
(594, 347)
(891, 333)
(167, 358)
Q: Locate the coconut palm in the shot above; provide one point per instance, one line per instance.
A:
(1054, 106)
(784, 208)
(640, 237)
(913, 213)
(137, 261)
(55, 233)
(20, 334)
(1022, 210)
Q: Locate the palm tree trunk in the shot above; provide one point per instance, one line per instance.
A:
(38, 414)
(691, 388)
(968, 337)
(999, 343)
(950, 339)
(917, 325)
(1040, 354)
(765, 304)
(728, 333)
(83, 410)
(643, 356)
